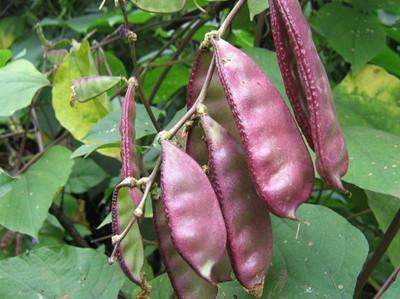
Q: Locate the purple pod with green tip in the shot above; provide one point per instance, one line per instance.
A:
(247, 221)
(129, 169)
(192, 211)
(278, 159)
(186, 283)
(308, 89)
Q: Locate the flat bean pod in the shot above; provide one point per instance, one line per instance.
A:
(308, 88)
(277, 157)
(192, 211)
(187, 284)
(247, 220)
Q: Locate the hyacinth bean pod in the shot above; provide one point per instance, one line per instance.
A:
(308, 89)
(187, 284)
(192, 211)
(247, 220)
(131, 268)
(277, 157)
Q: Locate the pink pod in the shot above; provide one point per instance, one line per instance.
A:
(193, 214)
(129, 169)
(127, 131)
(278, 159)
(308, 89)
(247, 221)
(186, 283)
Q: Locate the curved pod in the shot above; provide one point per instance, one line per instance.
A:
(277, 157)
(308, 89)
(193, 214)
(187, 284)
(246, 217)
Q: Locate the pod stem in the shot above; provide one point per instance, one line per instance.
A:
(387, 283)
(138, 212)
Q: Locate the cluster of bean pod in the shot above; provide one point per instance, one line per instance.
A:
(244, 158)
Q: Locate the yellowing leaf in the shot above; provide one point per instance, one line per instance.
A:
(370, 98)
(80, 118)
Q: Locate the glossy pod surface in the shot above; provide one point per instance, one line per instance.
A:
(132, 268)
(246, 216)
(187, 284)
(192, 211)
(308, 88)
(277, 157)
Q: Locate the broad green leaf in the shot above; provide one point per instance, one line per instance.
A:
(132, 246)
(388, 59)
(80, 118)
(19, 81)
(256, 7)
(385, 208)
(161, 288)
(160, 6)
(10, 29)
(242, 38)
(318, 257)
(116, 65)
(177, 78)
(5, 56)
(85, 175)
(5, 182)
(87, 88)
(59, 272)
(25, 207)
(357, 37)
(370, 5)
(394, 291)
(374, 160)
(372, 98)
(86, 149)
(106, 131)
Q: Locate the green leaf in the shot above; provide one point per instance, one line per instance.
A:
(369, 98)
(85, 175)
(19, 81)
(370, 5)
(160, 6)
(161, 288)
(374, 160)
(5, 56)
(318, 257)
(394, 291)
(357, 37)
(177, 78)
(242, 38)
(25, 207)
(87, 88)
(10, 29)
(256, 7)
(385, 208)
(5, 182)
(388, 59)
(106, 131)
(59, 272)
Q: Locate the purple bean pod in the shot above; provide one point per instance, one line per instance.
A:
(129, 169)
(192, 211)
(247, 221)
(278, 159)
(186, 283)
(308, 89)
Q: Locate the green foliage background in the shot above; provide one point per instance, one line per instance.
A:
(62, 159)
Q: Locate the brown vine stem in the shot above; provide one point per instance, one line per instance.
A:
(131, 41)
(166, 135)
(369, 267)
(387, 283)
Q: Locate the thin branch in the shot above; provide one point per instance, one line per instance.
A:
(68, 225)
(131, 41)
(387, 283)
(376, 257)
